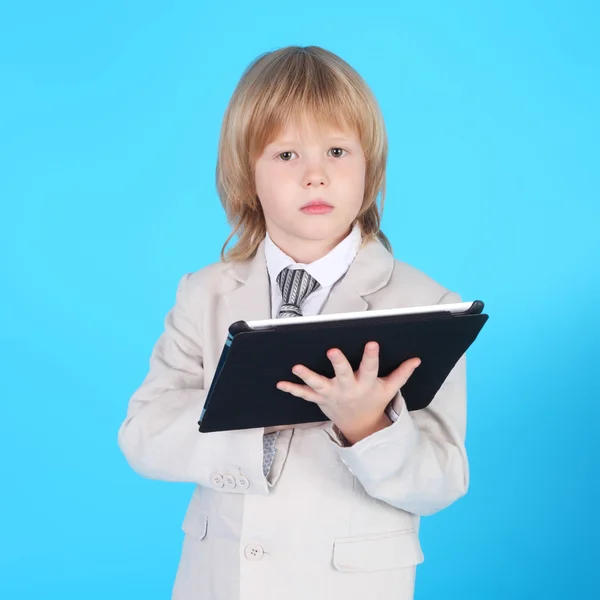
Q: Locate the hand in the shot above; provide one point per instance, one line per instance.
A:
(354, 402)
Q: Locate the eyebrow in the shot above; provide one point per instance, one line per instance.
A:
(292, 142)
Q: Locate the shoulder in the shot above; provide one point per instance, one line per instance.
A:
(410, 286)
(418, 287)
(393, 282)
(210, 278)
(213, 279)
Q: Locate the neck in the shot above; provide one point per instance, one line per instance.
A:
(305, 251)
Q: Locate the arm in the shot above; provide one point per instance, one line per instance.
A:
(160, 437)
(417, 463)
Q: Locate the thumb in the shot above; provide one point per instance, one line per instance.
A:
(399, 376)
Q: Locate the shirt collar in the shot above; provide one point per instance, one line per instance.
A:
(326, 270)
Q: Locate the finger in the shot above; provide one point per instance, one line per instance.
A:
(342, 368)
(300, 391)
(397, 378)
(369, 365)
(317, 382)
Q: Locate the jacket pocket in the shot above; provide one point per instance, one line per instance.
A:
(195, 523)
(377, 552)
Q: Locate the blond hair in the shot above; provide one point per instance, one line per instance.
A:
(280, 87)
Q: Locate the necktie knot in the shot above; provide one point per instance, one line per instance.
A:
(295, 286)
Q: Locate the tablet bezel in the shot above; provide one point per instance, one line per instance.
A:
(455, 308)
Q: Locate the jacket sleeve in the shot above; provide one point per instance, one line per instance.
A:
(159, 436)
(419, 462)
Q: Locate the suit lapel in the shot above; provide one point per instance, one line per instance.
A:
(343, 298)
(369, 272)
(250, 301)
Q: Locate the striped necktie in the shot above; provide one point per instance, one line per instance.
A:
(295, 286)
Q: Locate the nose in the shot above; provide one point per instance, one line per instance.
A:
(316, 175)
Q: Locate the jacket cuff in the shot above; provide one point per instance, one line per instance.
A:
(371, 457)
(393, 410)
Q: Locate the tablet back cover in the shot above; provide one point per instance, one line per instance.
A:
(243, 393)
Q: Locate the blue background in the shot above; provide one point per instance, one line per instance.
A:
(109, 119)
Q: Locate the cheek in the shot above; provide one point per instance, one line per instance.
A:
(260, 180)
(264, 190)
(272, 183)
(271, 191)
(268, 180)
(354, 176)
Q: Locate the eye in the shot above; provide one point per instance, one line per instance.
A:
(337, 152)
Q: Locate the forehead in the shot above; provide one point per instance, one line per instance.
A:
(312, 132)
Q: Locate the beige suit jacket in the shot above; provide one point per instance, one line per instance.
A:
(330, 521)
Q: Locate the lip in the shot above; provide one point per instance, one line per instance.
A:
(317, 202)
(317, 209)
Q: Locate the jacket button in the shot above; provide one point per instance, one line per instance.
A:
(254, 552)
(217, 480)
(243, 482)
(230, 481)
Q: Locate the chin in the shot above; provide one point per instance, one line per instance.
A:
(322, 231)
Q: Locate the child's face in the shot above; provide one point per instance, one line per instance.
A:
(301, 166)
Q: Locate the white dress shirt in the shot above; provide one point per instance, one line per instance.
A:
(326, 270)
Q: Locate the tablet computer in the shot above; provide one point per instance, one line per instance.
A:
(259, 354)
